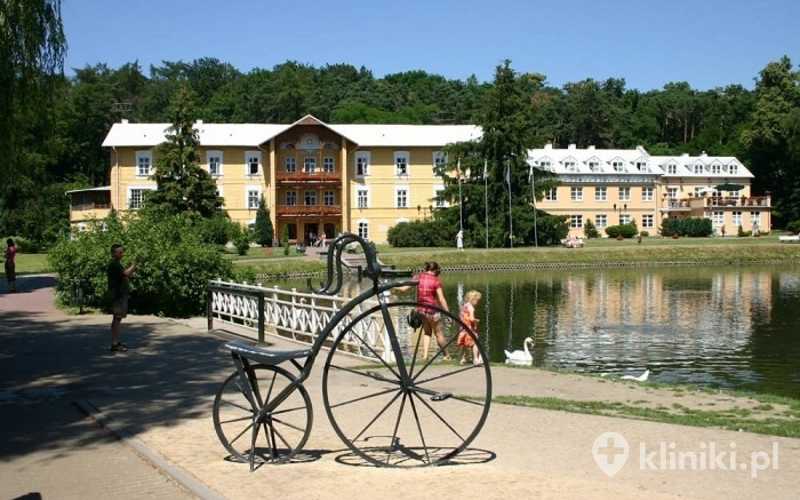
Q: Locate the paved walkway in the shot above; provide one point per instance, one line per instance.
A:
(161, 392)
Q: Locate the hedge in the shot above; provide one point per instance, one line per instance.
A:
(691, 226)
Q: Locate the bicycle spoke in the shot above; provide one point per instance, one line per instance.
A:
(248, 410)
(288, 446)
(241, 433)
(419, 428)
(363, 398)
(416, 350)
(236, 420)
(288, 410)
(466, 400)
(396, 425)
(391, 401)
(461, 370)
(438, 416)
(269, 392)
(430, 361)
(365, 374)
(287, 424)
(375, 354)
(270, 444)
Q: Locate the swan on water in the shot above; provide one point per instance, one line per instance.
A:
(641, 378)
(521, 357)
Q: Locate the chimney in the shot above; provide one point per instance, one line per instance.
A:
(590, 147)
(124, 120)
(571, 146)
(549, 145)
(198, 122)
(685, 155)
(703, 154)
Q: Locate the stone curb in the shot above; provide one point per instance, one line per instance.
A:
(177, 474)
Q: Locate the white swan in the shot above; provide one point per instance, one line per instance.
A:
(641, 378)
(519, 357)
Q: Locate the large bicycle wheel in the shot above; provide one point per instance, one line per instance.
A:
(281, 433)
(390, 405)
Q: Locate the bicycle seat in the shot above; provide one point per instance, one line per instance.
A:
(266, 356)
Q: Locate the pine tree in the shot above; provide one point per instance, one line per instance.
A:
(183, 186)
(263, 226)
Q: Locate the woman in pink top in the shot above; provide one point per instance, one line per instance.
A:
(11, 266)
(429, 293)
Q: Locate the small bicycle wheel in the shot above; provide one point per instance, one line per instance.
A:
(281, 433)
(393, 407)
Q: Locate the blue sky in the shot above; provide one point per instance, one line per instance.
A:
(707, 43)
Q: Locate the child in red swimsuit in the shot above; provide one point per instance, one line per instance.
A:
(465, 340)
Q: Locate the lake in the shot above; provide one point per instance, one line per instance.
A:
(732, 327)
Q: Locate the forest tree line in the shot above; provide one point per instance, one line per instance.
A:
(58, 132)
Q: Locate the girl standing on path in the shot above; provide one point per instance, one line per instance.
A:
(430, 293)
(465, 340)
(11, 265)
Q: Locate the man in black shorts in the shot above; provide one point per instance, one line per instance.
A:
(118, 277)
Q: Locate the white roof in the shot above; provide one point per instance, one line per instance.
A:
(590, 160)
(685, 164)
(255, 134)
(100, 188)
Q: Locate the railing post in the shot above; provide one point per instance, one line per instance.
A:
(261, 318)
(210, 308)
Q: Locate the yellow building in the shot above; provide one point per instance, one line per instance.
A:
(315, 178)
(319, 178)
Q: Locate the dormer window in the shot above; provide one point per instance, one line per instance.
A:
(672, 169)
(594, 166)
(734, 169)
(716, 169)
(617, 166)
(570, 166)
(641, 166)
(545, 164)
(698, 169)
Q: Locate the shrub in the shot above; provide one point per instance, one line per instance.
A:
(173, 265)
(691, 226)
(623, 230)
(241, 239)
(263, 229)
(793, 227)
(285, 240)
(590, 230)
(644, 234)
(24, 245)
(216, 230)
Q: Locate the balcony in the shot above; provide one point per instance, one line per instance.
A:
(80, 207)
(309, 210)
(737, 202)
(671, 205)
(303, 176)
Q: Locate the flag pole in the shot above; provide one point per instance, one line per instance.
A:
(533, 199)
(510, 217)
(460, 199)
(486, 198)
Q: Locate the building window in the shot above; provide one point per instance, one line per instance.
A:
(253, 198)
(594, 166)
(647, 221)
(601, 220)
(570, 166)
(401, 197)
(576, 221)
(545, 164)
(310, 198)
(144, 162)
(624, 194)
(698, 191)
(291, 198)
(733, 169)
(672, 169)
(576, 193)
(214, 159)
(718, 218)
(401, 163)
(328, 164)
(641, 166)
(290, 164)
(309, 164)
(672, 193)
(438, 197)
(363, 229)
(716, 169)
(292, 230)
(600, 193)
(252, 162)
(647, 193)
(362, 198)
(136, 197)
(439, 159)
(755, 218)
(551, 194)
(698, 169)
(737, 219)
(328, 198)
(362, 163)
(617, 166)
(624, 218)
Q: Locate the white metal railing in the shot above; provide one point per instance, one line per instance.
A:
(300, 316)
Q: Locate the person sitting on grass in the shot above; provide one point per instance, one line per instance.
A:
(118, 278)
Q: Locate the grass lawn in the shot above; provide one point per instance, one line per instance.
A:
(29, 263)
(262, 253)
